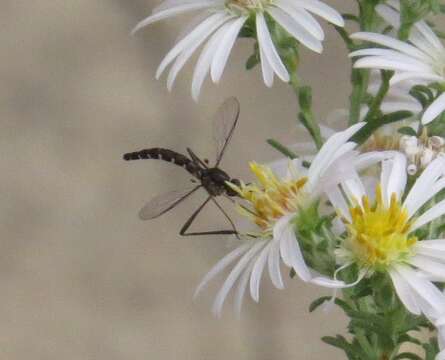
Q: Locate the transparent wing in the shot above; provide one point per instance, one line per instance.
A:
(224, 124)
(161, 204)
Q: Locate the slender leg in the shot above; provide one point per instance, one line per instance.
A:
(189, 222)
(227, 216)
(196, 159)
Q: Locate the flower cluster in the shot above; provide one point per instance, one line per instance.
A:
(363, 214)
(220, 24)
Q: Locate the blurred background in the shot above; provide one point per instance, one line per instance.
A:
(81, 277)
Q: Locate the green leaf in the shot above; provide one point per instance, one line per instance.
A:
(252, 61)
(370, 327)
(317, 302)
(282, 148)
(366, 131)
(338, 342)
(424, 89)
(396, 116)
(406, 130)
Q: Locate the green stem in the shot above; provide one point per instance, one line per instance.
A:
(366, 131)
(360, 77)
(306, 115)
(376, 103)
(359, 80)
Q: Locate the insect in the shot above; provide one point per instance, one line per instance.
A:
(211, 178)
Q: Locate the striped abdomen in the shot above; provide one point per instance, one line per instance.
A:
(166, 155)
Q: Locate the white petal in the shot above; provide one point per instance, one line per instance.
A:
(391, 56)
(337, 284)
(390, 42)
(324, 156)
(328, 283)
(290, 249)
(418, 76)
(432, 298)
(167, 4)
(225, 47)
(354, 188)
(173, 11)
(266, 69)
(384, 177)
(435, 212)
(370, 158)
(390, 15)
(405, 293)
(257, 272)
(338, 202)
(266, 44)
(205, 59)
(431, 248)
(386, 63)
(233, 276)
(179, 64)
(397, 178)
(241, 288)
(429, 265)
(221, 265)
(321, 9)
(434, 110)
(273, 263)
(417, 38)
(198, 35)
(430, 36)
(338, 169)
(296, 30)
(301, 16)
(420, 193)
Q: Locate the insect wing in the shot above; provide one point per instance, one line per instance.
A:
(224, 124)
(159, 205)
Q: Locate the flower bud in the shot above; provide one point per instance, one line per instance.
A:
(436, 142)
(411, 169)
(426, 157)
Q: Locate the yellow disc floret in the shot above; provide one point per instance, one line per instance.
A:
(378, 235)
(271, 198)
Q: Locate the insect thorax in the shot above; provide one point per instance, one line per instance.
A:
(214, 180)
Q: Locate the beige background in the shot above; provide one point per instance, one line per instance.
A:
(80, 276)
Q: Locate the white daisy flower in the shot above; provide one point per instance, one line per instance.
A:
(221, 24)
(273, 207)
(381, 233)
(421, 59)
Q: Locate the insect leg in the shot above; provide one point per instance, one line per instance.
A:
(227, 216)
(196, 159)
(189, 222)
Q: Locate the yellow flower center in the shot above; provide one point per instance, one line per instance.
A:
(271, 198)
(378, 235)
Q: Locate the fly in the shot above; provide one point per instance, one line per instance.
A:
(211, 178)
